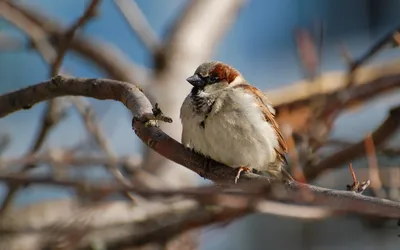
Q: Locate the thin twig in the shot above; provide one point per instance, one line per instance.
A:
(357, 186)
(376, 47)
(345, 53)
(89, 13)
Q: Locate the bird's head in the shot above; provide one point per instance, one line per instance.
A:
(213, 76)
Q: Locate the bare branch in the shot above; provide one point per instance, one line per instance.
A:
(381, 134)
(52, 115)
(36, 34)
(54, 58)
(39, 40)
(140, 106)
(336, 200)
(89, 13)
(55, 109)
(105, 56)
(138, 22)
(368, 82)
(65, 157)
(118, 224)
(378, 46)
(108, 223)
(90, 120)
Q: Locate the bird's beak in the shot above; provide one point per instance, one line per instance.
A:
(195, 80)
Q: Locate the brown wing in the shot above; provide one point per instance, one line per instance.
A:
(281, 150)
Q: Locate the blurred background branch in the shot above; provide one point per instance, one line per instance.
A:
(313, 114)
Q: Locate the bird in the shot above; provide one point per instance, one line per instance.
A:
(232, 122)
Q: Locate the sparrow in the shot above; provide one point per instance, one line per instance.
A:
(230, 121)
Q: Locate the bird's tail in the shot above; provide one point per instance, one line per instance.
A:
(286, 176)
(279, 172)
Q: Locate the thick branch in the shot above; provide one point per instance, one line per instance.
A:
(141, 108)
(102, 89)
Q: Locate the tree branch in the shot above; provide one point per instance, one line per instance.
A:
(379, 45)
(103, 55)
(300, 93)
(66, 157)
(149, 133)
(381, 134)
(137, 21)
(89, 13)
(54, 111)
(119, 224)
(54, 58)
(257, 188)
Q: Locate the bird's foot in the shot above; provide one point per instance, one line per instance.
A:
(151, 120)
(239, 171)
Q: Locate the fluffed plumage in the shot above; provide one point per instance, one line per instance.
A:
(229, 120)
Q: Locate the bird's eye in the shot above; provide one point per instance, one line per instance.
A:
(213, 78)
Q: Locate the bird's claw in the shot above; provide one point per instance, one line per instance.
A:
(151, 120)
(239, 171)
(158, 115)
